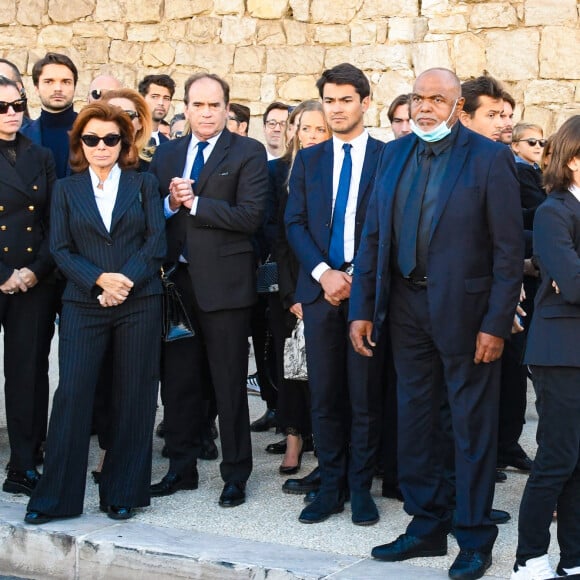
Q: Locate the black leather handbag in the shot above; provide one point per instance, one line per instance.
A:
(176, 322)
(267, 277)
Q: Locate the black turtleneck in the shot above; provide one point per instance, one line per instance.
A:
(8, 150)
(54, 130)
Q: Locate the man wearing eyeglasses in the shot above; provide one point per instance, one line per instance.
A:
(275, 120)
(239, 119)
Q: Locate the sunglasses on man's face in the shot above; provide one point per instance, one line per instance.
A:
(96, 94)
(109, 140)
(533, 142)
(18, 106)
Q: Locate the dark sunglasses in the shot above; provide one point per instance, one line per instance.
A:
(533, 142)
(18, 106)
(132, 114)
(96, 94)
(109, 140)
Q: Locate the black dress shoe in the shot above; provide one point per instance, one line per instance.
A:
(499, 516)
(520, 463)
(311, 482)
(392, 492)
(209, 450)
(500, 476)
(265, 422)
(173, 482)
(324, 506)
(407, 546)
(160, 431)
(233, 494)
(21, 481)
(291, 469)
(364, 509)
(470, 565)
(96, 476)
(116, 512)
(37, 518)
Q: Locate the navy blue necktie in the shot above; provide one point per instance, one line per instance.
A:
(198, 163)
(407, 255)
(336, 250)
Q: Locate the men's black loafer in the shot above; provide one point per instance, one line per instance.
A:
(310, 482)
(173, 482)
(470, 565)
(266, 422)
(116, 512)
(321, 509)
(521, 463)
(233, 494)
(407, 546)
(36, 518)
(21, 481)
(364, 509)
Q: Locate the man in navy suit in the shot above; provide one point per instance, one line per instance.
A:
(330, 187)
(441, 258)
(214, 184)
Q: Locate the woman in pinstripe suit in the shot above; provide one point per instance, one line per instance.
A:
(108, 239)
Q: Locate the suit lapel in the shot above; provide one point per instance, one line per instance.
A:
(84, 200)
(454, 168)
(368, 170)
(218, 154)
(24, 172)
(128, 190)
(327, 170)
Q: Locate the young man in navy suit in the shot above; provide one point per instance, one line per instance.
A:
(330, 187)
(441, 257)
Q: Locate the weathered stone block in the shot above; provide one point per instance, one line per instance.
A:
(540, 92)
(143, 11)
(299, 88)
(246, 87)
(407, 29)
(94, 50)
(391, 84)
(493, 15)
(469, 53)
(267, 92)
(142, 32)
(238, 31)
(176, 30)
(268, 9)
(363, 32)
(212, 58)
(249, 59)
(506, 58)
(295, 60)
(175, 9)
(110, 11)
(300, 10)
(55, 35)
(380, 8)
(559, 53)
(28, 13)
(333, 11)
(270, 33)
(229, 7)
(67, 11)
(453, 24)
(203, 30)
(125, 52)
(552, 12)
(330, 34)
(297, 33)
(379, 57)
(7, 11)
(426, 55)
(158, 54)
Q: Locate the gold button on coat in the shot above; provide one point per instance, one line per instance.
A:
(28, 229)
(31, 207)
(29, 250)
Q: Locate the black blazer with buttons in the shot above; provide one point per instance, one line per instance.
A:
(83, 248)
(25, 192)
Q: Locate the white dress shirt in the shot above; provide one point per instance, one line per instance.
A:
(575, 191)
(107, 196)
(357, 153)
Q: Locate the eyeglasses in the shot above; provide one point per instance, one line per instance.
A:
(96, 94)
(109, 140)
(271, 124)
(18, 106)
(176, 134)
(533, 142)
(132, 114)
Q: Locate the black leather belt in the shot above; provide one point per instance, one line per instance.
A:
(417, 282)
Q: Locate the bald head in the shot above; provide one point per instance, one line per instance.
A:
(444, 77)
(100, 84)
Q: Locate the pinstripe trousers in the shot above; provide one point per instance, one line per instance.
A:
(133, 329)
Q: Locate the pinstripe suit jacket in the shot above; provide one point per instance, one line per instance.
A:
(83, 248)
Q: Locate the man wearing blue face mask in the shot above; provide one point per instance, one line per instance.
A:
(440, 260)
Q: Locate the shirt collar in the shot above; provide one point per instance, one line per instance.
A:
(211, 141)
(575, 191)
(358, 143)
(115, 173)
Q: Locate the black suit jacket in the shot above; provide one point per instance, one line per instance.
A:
(232, 190)
(25, 191)
(554, 333)
(308, 213)
(83, 248)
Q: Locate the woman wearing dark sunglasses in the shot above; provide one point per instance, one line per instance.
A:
(108, 239)
(27, 175)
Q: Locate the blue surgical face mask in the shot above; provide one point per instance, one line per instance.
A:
(436, 134)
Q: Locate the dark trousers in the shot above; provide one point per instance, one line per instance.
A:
(555, 477)
(27, 321)
(473, 393)
(264, 353)
(345, 399)
(134, 328)
(185, 387)
(293, 396)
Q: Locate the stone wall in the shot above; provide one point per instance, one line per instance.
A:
(275, 49)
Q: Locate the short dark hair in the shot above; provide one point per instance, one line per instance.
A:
(198, 76)
(241, 112)
(128, 157)
(397, 102)
(272, 107)
(17, 76)
(508, 99)
(159, 80)
(483, 86)
(565, 146)
(54, 58)
(345, 74)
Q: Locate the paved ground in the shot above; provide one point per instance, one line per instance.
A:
(268, 524)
